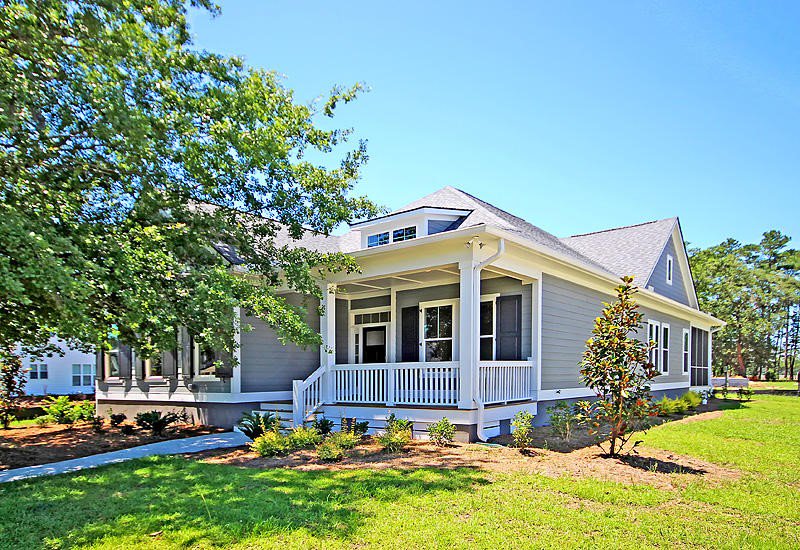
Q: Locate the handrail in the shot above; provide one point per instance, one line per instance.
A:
(307, 396)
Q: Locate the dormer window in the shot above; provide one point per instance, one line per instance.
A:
(670, 263)
(405, 234)
(378, 239)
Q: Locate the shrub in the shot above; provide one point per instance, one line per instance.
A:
(563, 419)
(394, 441)
(523, 425)
(442, 432)
(302, 437)
(771, 376)
(345, 440)
(358, 428)
(254, 424)
(43, 420)
(322, 425)
(127, 429)
(666, 406)
(724, 392)
(61, 410)
(117, 418)
(394, 424)
(270, 444)
(330, 451)
(85, 410)
(692, 399)
(97, 423)
(156, 421)
(744, 393)
(680, 405)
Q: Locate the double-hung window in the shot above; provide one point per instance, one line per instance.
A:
(686, 348)
(487, 331)
(38, 371)
(664, 348)
(82, 375)
(438, 332)
(378, 239)
(654, 337)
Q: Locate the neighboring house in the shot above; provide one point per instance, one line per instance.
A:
(72, 372)
(460, 309)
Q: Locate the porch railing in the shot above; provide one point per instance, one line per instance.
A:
(503, 381)
(434, 384)
(308, 396)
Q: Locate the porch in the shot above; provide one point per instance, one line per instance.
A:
(453, 336)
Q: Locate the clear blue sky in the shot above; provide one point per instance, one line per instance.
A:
(575, 116)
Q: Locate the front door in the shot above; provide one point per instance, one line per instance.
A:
(374, 339)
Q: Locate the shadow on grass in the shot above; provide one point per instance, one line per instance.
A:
(196, 504)
(657, 465)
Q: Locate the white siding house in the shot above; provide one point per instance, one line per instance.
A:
(74, 372)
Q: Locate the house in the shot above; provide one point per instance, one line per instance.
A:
(460, 309)
(68, 372)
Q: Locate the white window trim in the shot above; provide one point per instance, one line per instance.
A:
(82, 371)
(686, 352)
(37, 368)
(388, 235)
(664, 343)
(107, 363)
(391, 233)
(670, 268)
(195, 366)
(355, 329)
(493, 299)
(454, 338)
(655, 353)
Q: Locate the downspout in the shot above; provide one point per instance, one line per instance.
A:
(476, 280)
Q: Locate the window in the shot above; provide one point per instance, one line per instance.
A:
(367, 318)
(438, 333)
(356, 350)
(111, 363)
(653, 329)
(378, 239)
(38, 371)
(154, 367)
(665, 348)
(82, 375)
(205, 361)
(405, 234)
(487, 331)
(670, 263)
(686, 348)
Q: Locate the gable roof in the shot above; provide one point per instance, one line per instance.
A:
(630, 250)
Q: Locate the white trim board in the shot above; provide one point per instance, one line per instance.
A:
(577, 393)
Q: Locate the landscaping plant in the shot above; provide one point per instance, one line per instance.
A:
(269, 444)
(322, 425)
(563, 419)
(358, 428)
(616, 367)
(442, 433)
(345, 440)
(522, 425)
(692, 399)
(85, 410)
(116, 418)
(398, 424)
(394, 441)
(254, 424)
(330, 451)
(156, 421)
(61, 410)
(12, 383)
(303, 437)
(744, 393)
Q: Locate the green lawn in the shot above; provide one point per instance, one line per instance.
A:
(195, 505)
(777, 385)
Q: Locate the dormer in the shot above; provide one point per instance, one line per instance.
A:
(407, 225)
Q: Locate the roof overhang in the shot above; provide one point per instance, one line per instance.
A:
(415, 211)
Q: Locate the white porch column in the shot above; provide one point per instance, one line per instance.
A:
(710, 357)
(469, 300)
(236, 374)
(327, 329)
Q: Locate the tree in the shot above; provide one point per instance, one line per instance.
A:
(12, 384)
(148, 185)
(616, 367)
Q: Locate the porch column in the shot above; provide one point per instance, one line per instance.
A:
(327, 329)
(710, 372)
(236, 375)
(469, 298)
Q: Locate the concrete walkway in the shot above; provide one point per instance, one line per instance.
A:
(172, 447)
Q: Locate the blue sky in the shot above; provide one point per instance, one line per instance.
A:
(575, 116)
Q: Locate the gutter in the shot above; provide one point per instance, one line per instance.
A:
(476, 280)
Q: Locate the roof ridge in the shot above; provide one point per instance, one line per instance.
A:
(620, 228)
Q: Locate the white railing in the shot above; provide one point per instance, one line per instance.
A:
(308, 396)
(503, 381)
(435, 384)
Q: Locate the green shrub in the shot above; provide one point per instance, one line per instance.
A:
(358, 428)
(771, 376)
(270, 444)
(744, 393)
(61, 410)
(44, 420)
(127, 429)
(330, 451)
(394, 424)
(692, 399)
(322, 425)
(116, 418)
(345, 440)
(97, 423)
(442, 432)
(563, 419)
(85, 410)
(666, 406)
(394, 441)
(302, 437)
(156, 421)
(680, 405)
(254, 424)
(523, 426)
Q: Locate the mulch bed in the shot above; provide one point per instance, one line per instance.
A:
(34, 445)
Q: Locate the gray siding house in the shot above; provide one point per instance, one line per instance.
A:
(460, 309)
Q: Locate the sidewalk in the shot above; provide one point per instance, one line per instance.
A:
(175, 446)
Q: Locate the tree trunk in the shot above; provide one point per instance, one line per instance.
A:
(740, 358)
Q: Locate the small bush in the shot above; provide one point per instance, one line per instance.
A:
(254, 424)
(270, 444)
(127, 429)
(724, 392)
(85, 410)
(97, 423)
(117, 418)
(322, 425)
(156, 421)
(61, 410)
(563, 419)
(692, 399)
(771, 376)
(442, 432)
(44, 420)
(394, 441)
(394, 424)
(680, 405)
(666, 406)
(523, 425)
(744, 393)
(302, 437)
(345, 440)
(330, 451)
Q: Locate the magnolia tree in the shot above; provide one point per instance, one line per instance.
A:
(617, 368)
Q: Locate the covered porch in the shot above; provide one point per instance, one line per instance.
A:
(458, 335)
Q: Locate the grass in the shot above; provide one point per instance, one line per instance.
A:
(776, 385)
(171, 502)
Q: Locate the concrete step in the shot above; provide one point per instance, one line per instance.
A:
(277, 406)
